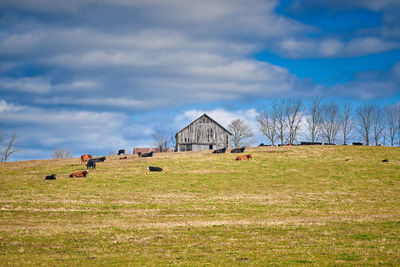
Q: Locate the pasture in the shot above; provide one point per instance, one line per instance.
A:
(302, 205)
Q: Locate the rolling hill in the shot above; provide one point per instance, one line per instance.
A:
(315, 205)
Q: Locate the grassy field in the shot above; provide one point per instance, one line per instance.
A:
(286, 206)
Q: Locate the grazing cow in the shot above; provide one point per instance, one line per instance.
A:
(123, 157)
(91, 164)
(121, 151)
(102, 159)
(50, 177)
(244, 157)
(139, 154)
(145, 155)
(85, 158)
(218, 151)
(79, 174)
(154, 169)
(238, 150)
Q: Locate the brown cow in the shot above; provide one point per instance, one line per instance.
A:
(244, 157)
(123, 157)
(79, 174)
(85, 158)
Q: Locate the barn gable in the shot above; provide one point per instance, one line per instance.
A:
(202, 134)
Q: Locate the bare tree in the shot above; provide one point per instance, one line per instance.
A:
(346, 121)
(10, 148)
(378, 123)
(267, 124)
(60, 153)
(160, 140)
(278, 110)
(314, 120)
(365, 115)
(294, 116)
(240, 132)
(391, 122)
(329, 122)
(172, 141)
(398, 121)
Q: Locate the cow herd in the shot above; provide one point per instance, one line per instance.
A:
(91, 162)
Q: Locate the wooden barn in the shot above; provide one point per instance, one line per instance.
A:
(202, 134)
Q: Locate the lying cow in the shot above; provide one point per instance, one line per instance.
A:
(238, 150)
(125, 157)
(102, 159)
(85, 158)
(145, 155)
(218, 151)
(79, 174)
(154, 169)
(244, 157)
(50, 177)
(91, 164)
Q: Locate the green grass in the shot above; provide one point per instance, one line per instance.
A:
(288, 206)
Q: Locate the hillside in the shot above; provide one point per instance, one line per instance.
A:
(319, 205)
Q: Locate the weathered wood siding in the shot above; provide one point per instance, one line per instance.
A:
(202, 134)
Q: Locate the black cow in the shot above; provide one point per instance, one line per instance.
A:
(91, 164)
(238, 150)
(218, 151)
(357, 144)
(154, 169)
(121, 151)
(102, 159)
(385, 160)
(145, 155)
(50, 177)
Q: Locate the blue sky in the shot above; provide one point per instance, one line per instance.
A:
(96, 76)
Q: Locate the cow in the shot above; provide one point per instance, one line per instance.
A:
(139, 154)
(238, 150)
(125, 157)
(121, 151)
(145, 155)
(50, 177)
(102, 159)
(385, 160)
(91, 164)
(357, 144)
(244, 157)
(154, 169)
(85, 158)
(79, 174)
(219, 151)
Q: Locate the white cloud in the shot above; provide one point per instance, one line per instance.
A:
(31, 85)
(330, 48)
(6, 107)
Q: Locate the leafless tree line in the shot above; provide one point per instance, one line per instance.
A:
(281, 120)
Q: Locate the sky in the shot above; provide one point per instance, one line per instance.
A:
(94, 76)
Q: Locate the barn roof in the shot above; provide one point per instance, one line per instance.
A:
(205, 115)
